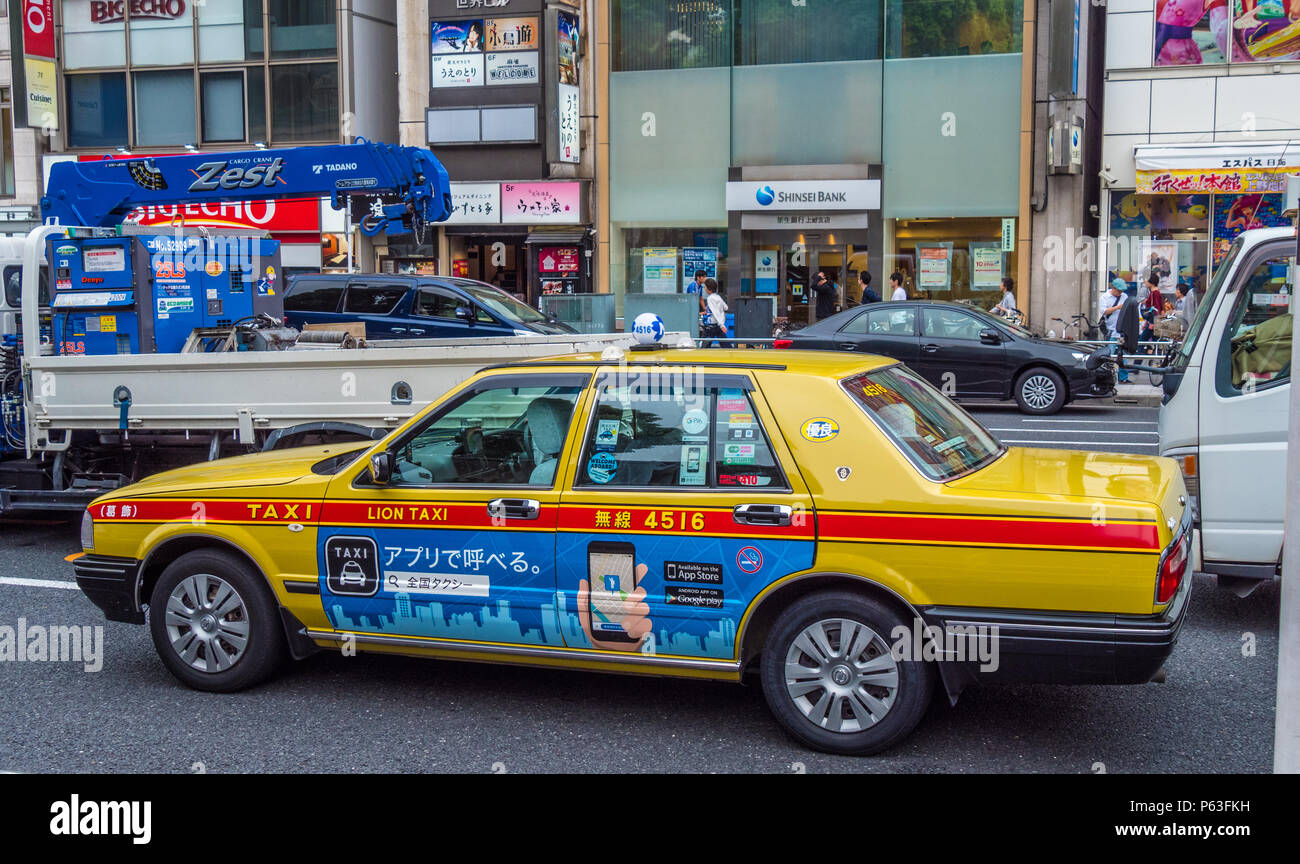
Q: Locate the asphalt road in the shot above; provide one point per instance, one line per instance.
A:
(368, 713)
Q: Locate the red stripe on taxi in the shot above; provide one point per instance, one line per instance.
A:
(676, 520)
(218, 510)
(430, 514)
(989, 531)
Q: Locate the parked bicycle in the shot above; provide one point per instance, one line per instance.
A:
(1092, 332)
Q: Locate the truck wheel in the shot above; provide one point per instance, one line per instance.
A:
(830, 679)
(214, 622)
(1040, 391)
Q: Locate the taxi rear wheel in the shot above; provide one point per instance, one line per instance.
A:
(214, 622)
(833, 683)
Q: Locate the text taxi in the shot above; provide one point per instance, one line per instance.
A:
(832, 522)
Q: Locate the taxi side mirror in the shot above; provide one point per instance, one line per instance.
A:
(990, 336)
(381, 467)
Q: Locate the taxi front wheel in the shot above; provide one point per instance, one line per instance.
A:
(832, 681)
(214, 622)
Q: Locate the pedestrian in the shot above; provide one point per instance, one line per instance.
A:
(1007, 304)
(715, 319)
(1185, 305)
(896, 284)
(1150, 307)
(697, 287)
(1110, 316)
(864, 285)
(827, 295)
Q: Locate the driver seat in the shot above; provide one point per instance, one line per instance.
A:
(548, 421)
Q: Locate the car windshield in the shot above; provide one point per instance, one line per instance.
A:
(502, 303)
(1207, 303)
(940, 439)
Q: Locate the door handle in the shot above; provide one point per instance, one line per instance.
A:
(930, 349)
(761, 514)
(399, 329)
(848, 346)
(416, 331)
(514, 508)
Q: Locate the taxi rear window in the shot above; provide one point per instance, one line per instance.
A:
(939, 438)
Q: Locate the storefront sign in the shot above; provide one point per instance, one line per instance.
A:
(567, 141)
(512, 34)
(765, 271)
(475, 204)
(558, 259)
(538, 203)
(1227, 168)
(457, 70)
(803, 195)
(935, 263)
(38, 64)
(821, 221)
(985, 266)
(659, 270)
(281, 216)
(457, 37)
(113, 11)
(696, 258)
(1008, 235)
(512, 67)
(1222, 180)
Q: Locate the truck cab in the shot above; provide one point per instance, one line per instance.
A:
(1225, 409)
(11, 302)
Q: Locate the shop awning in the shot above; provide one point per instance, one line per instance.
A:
(1229, 167)
(557, 238)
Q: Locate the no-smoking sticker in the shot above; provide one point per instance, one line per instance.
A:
(749, 559)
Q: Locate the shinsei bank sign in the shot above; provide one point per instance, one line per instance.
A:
(804, 195)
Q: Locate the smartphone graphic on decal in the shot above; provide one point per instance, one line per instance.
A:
(611, 576)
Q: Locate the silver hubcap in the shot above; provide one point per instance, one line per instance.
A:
(207, 623)
(841, 676)
(1039, 391)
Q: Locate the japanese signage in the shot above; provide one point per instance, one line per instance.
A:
(985, 266)
(457, 37)
(1008, 235)
(457, 53)
(532, 203)
(935, 266)
(1235, 179)
(659, 270)
(511, 34)
(558, 259)
(475, 203)
(695, 259)
(568, 100)
(512, 67)
(765, 271)
(827, 221)
(38, 63)
(457, 70)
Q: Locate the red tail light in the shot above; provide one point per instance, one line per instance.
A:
(783, 343)
(1173, 569)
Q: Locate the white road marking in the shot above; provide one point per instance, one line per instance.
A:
(1106, 422)
(1041, 441)
(1063, 431)
(38, 583)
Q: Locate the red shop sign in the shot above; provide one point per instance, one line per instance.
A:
(558, 259)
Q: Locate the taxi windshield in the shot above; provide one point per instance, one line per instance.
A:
(940, 439)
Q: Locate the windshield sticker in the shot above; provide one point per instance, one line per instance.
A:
(743, 480)
(606, 434)
(695, 421)
(601, 467)
(738, 454)
(949, 444)
(693, 465)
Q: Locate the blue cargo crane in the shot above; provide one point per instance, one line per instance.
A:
(101, 194)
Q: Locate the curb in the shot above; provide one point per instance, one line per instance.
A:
(1140, 395)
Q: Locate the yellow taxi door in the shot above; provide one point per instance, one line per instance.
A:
(460, 543)
(682, 504)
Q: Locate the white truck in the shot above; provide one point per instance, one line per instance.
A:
(77, 426)
(1226, 409)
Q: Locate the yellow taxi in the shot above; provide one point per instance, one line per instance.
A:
(830, 522)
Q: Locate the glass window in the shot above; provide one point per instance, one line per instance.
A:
(941, 323)
(645, 434)
(305, 106)
(256, 92)
(366, 299)
(939, 438)
(944, 28)
(778, 31)
(1257, 341)
(301, 28)
(164, 38)
(307, 295)
(221, 31)
(223, 106)
(501, 303)
(96, 110)
(437, 303)
(254, 34)
(681, 34)
(13, 277)
(883, 322)
(164, 108)
(94, 35)
(497, 436)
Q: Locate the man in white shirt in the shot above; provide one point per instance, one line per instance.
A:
(1110, 315)
(717, 310)
(896, 283)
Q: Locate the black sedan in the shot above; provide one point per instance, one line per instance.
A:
(967, 353)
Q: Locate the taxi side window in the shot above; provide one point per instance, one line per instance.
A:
(673, 437)
(510, 436)
(1256, 346)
